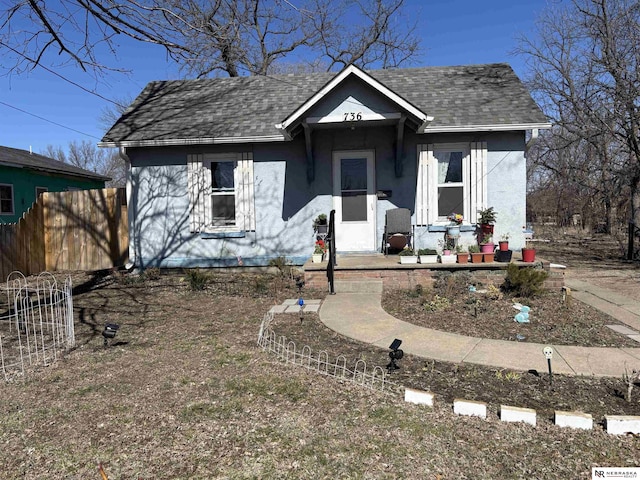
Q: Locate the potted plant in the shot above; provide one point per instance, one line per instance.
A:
(320, 224)
(528, 253)
(447, 257)
(487, 245)
(486, 219)
(476, 255)
(428, 255)
(503, 243)
(453, 230)
(462, 254)
(318, 252)
(407, 255)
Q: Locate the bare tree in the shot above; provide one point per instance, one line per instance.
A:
(584, 72)
(99, 160)
(254, 37)
(243, 37)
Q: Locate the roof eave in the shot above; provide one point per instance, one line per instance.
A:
(503, 127)
(169, 142)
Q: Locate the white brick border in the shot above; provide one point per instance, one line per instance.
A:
(470, 408)
(517, 414)
(580, 420)
(419, 397)
(621, 424)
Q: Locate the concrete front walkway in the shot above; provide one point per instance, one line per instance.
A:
(360, 316)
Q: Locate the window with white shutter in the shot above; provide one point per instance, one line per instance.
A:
(221, 192)
(451, 178)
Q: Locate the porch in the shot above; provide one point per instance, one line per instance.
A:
(358, 272)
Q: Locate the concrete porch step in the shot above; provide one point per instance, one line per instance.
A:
(358, 286)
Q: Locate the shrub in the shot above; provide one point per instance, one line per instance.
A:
(197, 279)
(451, 284)
(152, 273)
(438, 303)
(524, 282)
(427, 251)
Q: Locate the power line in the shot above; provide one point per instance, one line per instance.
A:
(47, 120)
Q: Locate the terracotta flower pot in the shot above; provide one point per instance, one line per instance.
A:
(487, 257)
(504, 245)
(463, 257)
(476, 257)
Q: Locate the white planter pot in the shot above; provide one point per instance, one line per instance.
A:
(316, 258)
(408, 259)
(448, 258)
(428, 258)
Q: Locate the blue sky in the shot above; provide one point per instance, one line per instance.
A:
(454, 32)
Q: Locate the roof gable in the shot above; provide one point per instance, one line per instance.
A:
(340, 80)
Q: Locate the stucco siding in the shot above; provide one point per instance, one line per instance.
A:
(286, 203)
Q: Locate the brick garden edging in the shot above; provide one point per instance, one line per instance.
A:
(408, 276)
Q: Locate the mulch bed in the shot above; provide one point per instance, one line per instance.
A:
(489, 313)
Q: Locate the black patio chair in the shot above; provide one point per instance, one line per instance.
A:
(398, 230)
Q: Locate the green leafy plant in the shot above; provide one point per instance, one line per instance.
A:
(461, 249)
(474, 249)
(427, 251)
(319, 220)
(487, 216)
(197, 279)
(524, 282)
(437, 304)
(504, 237)
(406, 252)
(486, 239)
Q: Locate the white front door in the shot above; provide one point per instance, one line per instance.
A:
(354, 200)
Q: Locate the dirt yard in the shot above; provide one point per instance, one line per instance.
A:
(183, 392)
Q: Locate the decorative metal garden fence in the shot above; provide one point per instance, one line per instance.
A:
(36, 322)
(373, 378)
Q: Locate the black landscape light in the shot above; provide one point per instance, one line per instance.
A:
(395, 354)
(110, 330)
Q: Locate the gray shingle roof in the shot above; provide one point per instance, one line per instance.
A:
(461, 96)
(15, 157)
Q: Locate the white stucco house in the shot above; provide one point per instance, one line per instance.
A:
(230, 171)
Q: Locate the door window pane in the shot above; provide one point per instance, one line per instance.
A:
(354, 206)
(354, 174)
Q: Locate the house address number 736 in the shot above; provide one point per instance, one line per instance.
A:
(352, 116)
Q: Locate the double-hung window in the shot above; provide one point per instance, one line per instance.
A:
(220, 192)
(6, 199)
(223, 193)
(451, 178)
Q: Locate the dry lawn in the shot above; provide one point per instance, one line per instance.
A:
(184, 393)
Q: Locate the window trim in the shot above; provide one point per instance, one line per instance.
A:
(427, 186)
(42, 190)
(13, 199)
(199, 192)
(465, 148)
(208, 160)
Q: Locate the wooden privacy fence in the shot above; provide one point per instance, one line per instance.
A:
(78, 230)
